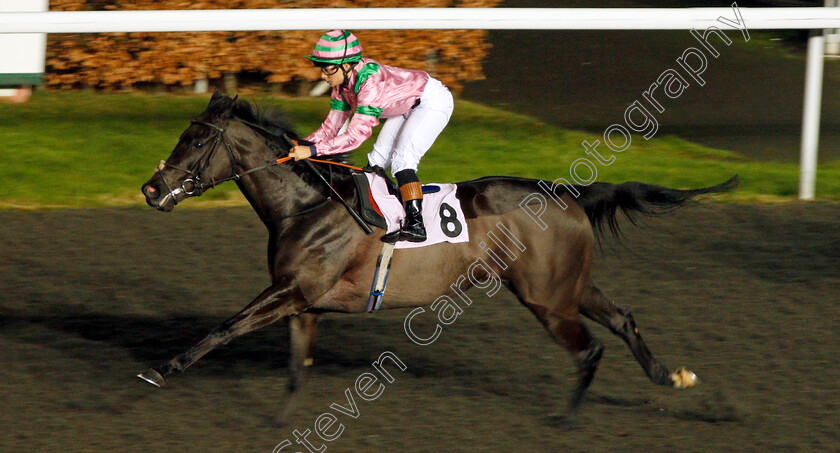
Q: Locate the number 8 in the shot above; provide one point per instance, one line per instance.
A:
(448, 216)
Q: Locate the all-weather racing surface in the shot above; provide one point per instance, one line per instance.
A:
(745, 296)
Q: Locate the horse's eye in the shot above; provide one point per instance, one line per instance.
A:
(198, 145)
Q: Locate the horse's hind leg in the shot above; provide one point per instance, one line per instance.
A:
(302, 330)
(568, 330)
(587, 355)
(599, 308)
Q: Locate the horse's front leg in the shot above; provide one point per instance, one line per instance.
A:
(272, 305)
(302, 330)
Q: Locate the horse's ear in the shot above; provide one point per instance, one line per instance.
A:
(217, 97)
(227, 110)
(220, 105)
(231, 104)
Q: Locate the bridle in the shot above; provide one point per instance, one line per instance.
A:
(193, 185)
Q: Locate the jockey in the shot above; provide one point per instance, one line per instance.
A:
(364, 91)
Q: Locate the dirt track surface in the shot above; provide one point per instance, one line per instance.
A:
(745, 296)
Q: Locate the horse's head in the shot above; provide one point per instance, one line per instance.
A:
(202, 155)
(206, 154)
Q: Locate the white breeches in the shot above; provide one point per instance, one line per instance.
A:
(403, 140)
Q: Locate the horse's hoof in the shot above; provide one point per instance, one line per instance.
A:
(152, 377)
(684, 379)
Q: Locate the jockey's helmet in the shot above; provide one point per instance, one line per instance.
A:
(337, 47)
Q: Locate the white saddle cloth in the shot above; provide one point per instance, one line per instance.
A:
(442, 215)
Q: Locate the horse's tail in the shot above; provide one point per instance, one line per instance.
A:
(601, 201)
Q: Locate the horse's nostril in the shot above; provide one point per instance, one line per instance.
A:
(151, 192)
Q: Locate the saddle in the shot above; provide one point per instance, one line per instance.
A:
(368, 208)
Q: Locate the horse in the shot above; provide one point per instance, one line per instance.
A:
(321, 261)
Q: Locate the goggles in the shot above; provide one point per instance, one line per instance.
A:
(330, 69)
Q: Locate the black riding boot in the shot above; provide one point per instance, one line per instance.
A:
(413, 229)
(411, 193)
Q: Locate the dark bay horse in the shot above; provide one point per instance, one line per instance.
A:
(321, 261)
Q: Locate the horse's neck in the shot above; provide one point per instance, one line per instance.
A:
(273, 191)
(283, 191)
(277, 193)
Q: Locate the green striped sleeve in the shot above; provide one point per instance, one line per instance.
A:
(338, 104)
(367, 70)
(368, 110)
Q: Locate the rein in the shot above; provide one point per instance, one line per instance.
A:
(193, 186)
(320, 161)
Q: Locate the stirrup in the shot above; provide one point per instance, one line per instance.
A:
(401, 235)
(418, 237)
(392, 237)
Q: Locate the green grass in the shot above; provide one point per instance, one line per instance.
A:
(83, 149)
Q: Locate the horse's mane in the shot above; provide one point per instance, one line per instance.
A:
(273, 122)
(270, 118)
